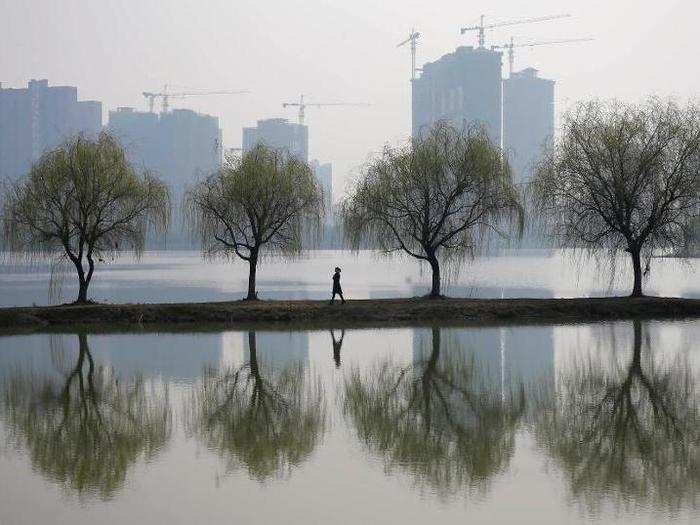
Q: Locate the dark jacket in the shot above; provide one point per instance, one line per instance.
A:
(336, 282)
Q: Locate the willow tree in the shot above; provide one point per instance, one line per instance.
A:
(267, 419)
(444, 419)
(265, 199)
(434, 199)
(83, 201)
(628, 432)
(623, 177)
(85, 429)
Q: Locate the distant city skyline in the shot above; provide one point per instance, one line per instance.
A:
(38, 117)
(332, 51)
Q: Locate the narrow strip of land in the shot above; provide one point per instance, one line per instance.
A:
(371, 312)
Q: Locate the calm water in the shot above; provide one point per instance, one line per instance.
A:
(183, 276)
(554, 424)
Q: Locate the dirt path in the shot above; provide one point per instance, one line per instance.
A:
(382, 312)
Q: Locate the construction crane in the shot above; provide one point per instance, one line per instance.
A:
(481, 28)
(302, 105)
(165, 96)
(413, 37)
(510, 46)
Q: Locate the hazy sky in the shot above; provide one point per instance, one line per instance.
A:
(334, 51)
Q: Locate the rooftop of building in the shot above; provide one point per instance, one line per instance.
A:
(464, 54)
(272, 123)
(179, 112)
(275, 120)
(34, 83)
(529, 73)
(43, 83)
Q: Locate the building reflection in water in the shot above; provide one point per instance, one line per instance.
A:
(165, 356)
(85, 427)
(613, 407)
(265, 414)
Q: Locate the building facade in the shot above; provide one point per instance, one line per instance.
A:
(38, 118)
(279, 133)
(324, 176)
(179, 146)
(464, 88)
(528, 120)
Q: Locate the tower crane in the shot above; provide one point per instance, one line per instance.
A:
(302, 105)
(481, 28)
(413, 37)
(510, 46)
(165, 96)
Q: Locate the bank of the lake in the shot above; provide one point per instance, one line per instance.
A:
(370, 312)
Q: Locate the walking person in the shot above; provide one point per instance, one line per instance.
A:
(336, 286)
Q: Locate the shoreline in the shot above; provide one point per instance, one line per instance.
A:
(356, 313)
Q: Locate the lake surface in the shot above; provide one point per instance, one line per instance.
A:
(542, 424)
(183, 276)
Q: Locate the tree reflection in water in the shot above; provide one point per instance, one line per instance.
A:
(86, 430)
(440, 419)
(627, 434)
(265, 419)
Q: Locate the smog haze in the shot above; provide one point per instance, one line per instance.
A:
(334, 51)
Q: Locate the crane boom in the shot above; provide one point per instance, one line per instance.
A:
(510, 46)
(527, 21)
(481, 28)
(165, 96)
(195, 94)
(302, 105)
(541, 43)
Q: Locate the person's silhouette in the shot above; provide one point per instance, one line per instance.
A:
(337, 345)
(337, 289)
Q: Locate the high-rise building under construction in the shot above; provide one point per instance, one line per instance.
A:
(528, 120)
(178, 146)
(464, 88)
(279, 133)
(40, 117)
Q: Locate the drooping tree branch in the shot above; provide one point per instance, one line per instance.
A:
(623, 177)
(84, 201)
(433, 199)
(265, 200)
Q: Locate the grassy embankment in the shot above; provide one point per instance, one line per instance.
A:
(380, 312)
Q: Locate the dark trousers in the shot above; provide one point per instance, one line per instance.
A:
(337, 291)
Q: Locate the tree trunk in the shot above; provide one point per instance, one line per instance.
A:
(637, 354)
(82, 291)
(253, 263)
(435, 351)
(259, 387)
(435, 267)
(83, 282)
(253, 353)
(635, 253)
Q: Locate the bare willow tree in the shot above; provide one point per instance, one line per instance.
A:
(264, 199)
(84, 201)
(623, 177)
(434, 199)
